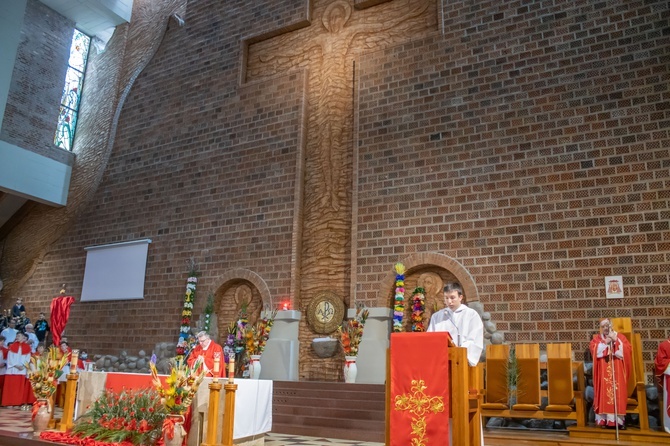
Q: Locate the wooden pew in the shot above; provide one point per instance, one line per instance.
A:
(637, 388)
(561, 396)
(529, 382)
(496, 396)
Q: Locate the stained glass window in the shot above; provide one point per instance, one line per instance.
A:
(74, 80)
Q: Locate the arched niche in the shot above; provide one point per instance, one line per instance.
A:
(238, 288)
(429, 271)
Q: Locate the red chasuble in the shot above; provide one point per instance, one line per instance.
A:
(419, 388)
(660, 366)
(208, 357)
(603, 403)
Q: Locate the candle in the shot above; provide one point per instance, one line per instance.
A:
(217, 364)
(75, 359)
(231, 369)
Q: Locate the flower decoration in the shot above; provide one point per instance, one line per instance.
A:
(187, 310)
(399, 300)
(258, 335)
(418, 309)
(180, 386)
(229, 346)
(134, 417)
(240, 329)
(44, 371)
(351, 332)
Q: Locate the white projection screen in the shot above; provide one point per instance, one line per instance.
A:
(116, 271)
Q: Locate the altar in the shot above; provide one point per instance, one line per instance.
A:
(253, 404)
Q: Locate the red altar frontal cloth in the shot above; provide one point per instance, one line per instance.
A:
(116, 382)
(419, 388)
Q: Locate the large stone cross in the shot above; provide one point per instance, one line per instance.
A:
(326, 46)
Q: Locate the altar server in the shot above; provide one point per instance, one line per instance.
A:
(16, 390)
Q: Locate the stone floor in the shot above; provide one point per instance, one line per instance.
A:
(18, 421)
(291, 440)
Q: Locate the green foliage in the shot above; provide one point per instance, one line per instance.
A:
(135, 416)
(513, 373)
(209, 307)
(512, 369)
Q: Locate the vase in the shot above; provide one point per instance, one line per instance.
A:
(41, 416)
(173, 426)
(350, 369)
(255, 367)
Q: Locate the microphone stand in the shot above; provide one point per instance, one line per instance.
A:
(450, 316)
(614, 392)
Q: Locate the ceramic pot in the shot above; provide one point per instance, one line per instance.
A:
(178, 433)
(41, 416)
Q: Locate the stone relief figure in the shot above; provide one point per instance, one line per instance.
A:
(245, 298)
(433, 284)
(242, 297)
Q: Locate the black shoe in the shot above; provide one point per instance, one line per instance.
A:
(622, 427)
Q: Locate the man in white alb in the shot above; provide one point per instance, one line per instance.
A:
(463, 323)
(464, 326)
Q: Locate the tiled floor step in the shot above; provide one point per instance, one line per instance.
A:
(347, 411)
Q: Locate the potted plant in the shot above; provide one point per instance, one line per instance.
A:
(176, 395)
(351, 333)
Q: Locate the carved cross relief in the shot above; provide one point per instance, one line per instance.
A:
(326, 47)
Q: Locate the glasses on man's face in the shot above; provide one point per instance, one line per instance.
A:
(202, 340)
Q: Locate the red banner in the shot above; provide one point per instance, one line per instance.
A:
(419, 388)
(60, 313)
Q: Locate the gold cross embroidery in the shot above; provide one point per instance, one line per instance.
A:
(419, 404)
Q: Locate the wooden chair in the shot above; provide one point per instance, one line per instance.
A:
(562, 399)
(528, 394)
(496, 396)
(637, 388)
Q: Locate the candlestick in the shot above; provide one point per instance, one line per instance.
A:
(74, 360)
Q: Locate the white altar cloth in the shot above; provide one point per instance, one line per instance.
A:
(253, 404)
(253, 410)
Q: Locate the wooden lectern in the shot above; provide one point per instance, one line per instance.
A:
(462, 396)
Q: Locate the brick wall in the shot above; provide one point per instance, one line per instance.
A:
(204, 169)
(530, 143)
(37, 82)
(527, 141)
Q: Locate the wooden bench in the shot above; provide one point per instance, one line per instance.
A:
(562, 405)
(528, 397)
(496, 396)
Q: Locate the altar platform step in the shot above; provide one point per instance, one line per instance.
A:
(328, 409)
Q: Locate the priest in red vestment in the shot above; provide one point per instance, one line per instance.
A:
(662, 372)
(16, 390)
(206, 349)
(612, 367)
